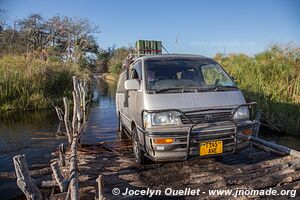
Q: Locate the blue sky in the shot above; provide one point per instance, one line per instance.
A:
(199, 27)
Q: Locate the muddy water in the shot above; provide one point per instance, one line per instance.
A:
(102, 123)
(29, 133)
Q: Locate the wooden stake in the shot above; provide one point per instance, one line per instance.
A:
(24, 181)
(83, 97)
(100, 182)
(59, 113)
(59, 132)
(74, 171)
(77, 95)
(67, 119)
(62, 161)
(62, 183)
(74, 120)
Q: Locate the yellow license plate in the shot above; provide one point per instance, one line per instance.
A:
(211, 148)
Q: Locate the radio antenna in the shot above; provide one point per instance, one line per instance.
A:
(165, 49)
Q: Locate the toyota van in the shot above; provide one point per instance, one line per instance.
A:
(176, 107)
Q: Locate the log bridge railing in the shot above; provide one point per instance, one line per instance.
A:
(73, 130)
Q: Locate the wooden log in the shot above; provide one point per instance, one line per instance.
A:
(289, 178)
(270, 180)
(24, 181)
(267, 149)
(296, 164)
(59, 132)
(62, 161)
(276, 147)
(74, 119)
(59, 113)
(77, 95)
(7, 175)
(240, 178)
(74, 194)
(267, 163)
(83, 99)
(100, 182)
(60, 180)
(49, 184)
(67, 119)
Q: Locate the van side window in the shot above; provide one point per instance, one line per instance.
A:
(136, 71)
(121, 88)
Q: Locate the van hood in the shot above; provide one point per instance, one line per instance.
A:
(193, 101)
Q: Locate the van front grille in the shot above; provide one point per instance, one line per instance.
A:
(206, 117)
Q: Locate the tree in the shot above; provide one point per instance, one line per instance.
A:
(103, 58)
(63, 38)
(116, 61)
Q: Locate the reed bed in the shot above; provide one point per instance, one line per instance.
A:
(32, 84)
(272, 78)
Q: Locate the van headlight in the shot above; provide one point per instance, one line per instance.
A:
(161, 119)
(241, 114)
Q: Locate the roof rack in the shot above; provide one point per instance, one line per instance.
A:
(142, 48)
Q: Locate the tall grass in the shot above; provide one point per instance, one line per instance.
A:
(31, 84)
(271, 78)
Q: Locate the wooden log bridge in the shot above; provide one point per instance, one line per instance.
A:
(92, 170)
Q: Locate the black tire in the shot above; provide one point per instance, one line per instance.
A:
(121, 129)
(138, 153)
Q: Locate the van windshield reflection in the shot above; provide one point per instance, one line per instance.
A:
(186, 75)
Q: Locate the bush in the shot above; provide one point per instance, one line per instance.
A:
(271, 78)
(31, 84)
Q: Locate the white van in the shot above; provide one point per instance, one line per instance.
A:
(177, 107)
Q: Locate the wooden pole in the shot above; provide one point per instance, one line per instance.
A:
(59, 132)
(67, 119)
(59, 113)
(74, 171)
(62, 183)
(74, 120)
(83, 97)
(62, 161)
(276, 147)
(24, 181)
(77, 95)
(100, 187)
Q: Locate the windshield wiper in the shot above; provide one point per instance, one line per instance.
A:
(176, 88)
(216, 88)
(224, 88)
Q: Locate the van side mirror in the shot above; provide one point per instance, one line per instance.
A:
(132, 84)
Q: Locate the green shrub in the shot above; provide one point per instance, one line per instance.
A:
(271, 78)
(31, 84)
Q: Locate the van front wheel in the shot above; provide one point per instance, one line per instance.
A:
(138, 153)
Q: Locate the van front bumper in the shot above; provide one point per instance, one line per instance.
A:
(187, 140)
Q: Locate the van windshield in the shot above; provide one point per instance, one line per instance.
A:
(185, 75)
